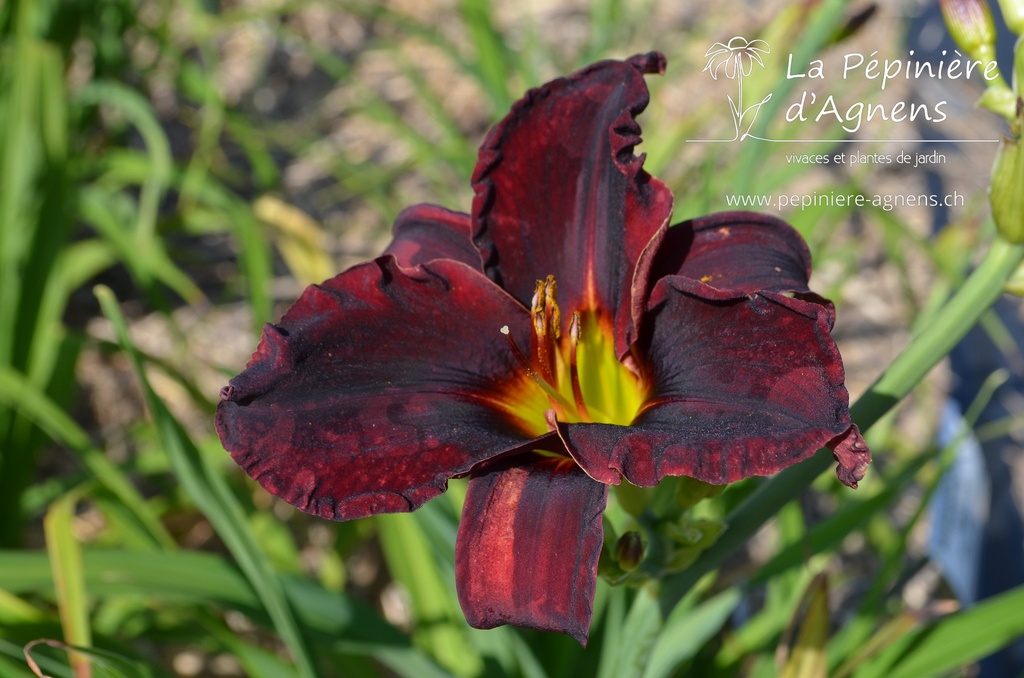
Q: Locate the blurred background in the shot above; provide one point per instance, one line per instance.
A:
(204, 161)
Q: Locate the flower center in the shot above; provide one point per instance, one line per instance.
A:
(576, 374)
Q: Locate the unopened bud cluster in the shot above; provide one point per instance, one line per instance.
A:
(971, 25)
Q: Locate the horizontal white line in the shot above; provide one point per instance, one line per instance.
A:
(849, 141)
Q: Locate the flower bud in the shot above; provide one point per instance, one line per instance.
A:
(999, 99)
(1013, 15)
(629, 551)
(1006, 196)
(970, 23)
(1018, 67)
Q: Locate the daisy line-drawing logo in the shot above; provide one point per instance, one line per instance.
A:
(736, 59)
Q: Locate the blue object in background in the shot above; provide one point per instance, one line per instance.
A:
(996, 563)
(960, 507)
(1001, 556)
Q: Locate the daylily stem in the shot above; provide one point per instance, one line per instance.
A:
(932, 342)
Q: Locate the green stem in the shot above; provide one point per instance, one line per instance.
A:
(978, 293)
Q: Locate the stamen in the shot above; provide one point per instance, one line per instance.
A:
(558, 401)
(538, 320)
(574, 375)
(551, 310)
(542, 344)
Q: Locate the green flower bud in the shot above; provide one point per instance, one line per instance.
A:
(1006, 196)
(629, 551)
(1018, 67)
(1013, 15)
(999, 99)
(970, 23)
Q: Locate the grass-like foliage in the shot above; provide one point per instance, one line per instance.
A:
(172, 173)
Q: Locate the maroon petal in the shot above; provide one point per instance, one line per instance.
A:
(528, 546)
(559, 192)
(736, 250)
(852, 456)
(376, 387)
(427, 232)
(739, 386)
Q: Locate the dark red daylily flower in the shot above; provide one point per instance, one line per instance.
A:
(558, 340)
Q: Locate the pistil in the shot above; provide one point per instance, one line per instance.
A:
(574, 374)
(558, 401)
(579, 375)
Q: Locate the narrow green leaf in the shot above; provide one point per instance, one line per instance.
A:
(111, 663)
(687, 630)
(439, 625)
(74, 266)
(141, 113)
(111, 215)
(21, 396)
(492, 57)
(66, 568)
(256, 264)
(631, 650)
(256, 661)
(210, 493)
(953, 641)
(807, 658)
(614, 623)
(20, 159)
(204, 578)
(36, 199)
(873, 643)
(851, 516)
(15, 611)
(856, 636)
(605, 19)
(15, 666)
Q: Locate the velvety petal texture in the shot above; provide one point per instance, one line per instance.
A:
(423, 233)
(739, 386)
(528, 545)
(559, 192)
(736, 250)
(432, 361)
(375, 388)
